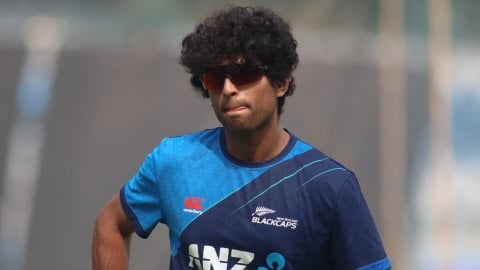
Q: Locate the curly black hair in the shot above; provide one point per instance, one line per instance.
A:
(257, 34)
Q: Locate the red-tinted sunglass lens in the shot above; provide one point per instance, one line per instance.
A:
(245, 75)
(213, 80)
(240, 75)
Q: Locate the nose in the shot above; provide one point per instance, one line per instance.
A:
(229, 87)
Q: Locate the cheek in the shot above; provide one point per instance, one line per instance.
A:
(267, 100)
(215, 104)
(214, 100)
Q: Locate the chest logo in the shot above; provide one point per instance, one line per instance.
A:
(193, 205)
(260, 212)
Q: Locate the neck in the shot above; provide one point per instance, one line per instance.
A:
(258, 146)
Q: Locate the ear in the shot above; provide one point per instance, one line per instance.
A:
(203, 85)
(282, 89)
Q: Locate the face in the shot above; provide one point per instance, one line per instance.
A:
(246, 108)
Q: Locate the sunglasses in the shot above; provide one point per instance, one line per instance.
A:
(214, 78)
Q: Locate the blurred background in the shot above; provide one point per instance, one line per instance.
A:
(390, 88)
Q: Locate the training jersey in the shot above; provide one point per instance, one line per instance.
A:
(299, 210)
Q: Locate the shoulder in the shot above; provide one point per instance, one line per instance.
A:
(181, 150)
(194, 137)
(321, 171)
(189, 148)
(311, 153)
(189, 141)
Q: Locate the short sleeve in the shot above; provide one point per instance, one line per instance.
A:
(355, 242)
(140, 196)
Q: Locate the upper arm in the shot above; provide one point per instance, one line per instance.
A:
(141, 196)
(113, 217)
(111, 237)
(355, 240)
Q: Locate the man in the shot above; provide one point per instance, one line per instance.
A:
(249, 194)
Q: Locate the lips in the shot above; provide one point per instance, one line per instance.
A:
(234, 107)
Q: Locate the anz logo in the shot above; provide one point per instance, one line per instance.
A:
(218, 261)
(211, 260)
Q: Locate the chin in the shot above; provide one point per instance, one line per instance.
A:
(238, 129)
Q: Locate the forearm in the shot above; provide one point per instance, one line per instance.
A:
(110, 249)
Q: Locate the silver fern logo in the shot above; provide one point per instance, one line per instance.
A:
(261, 211)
